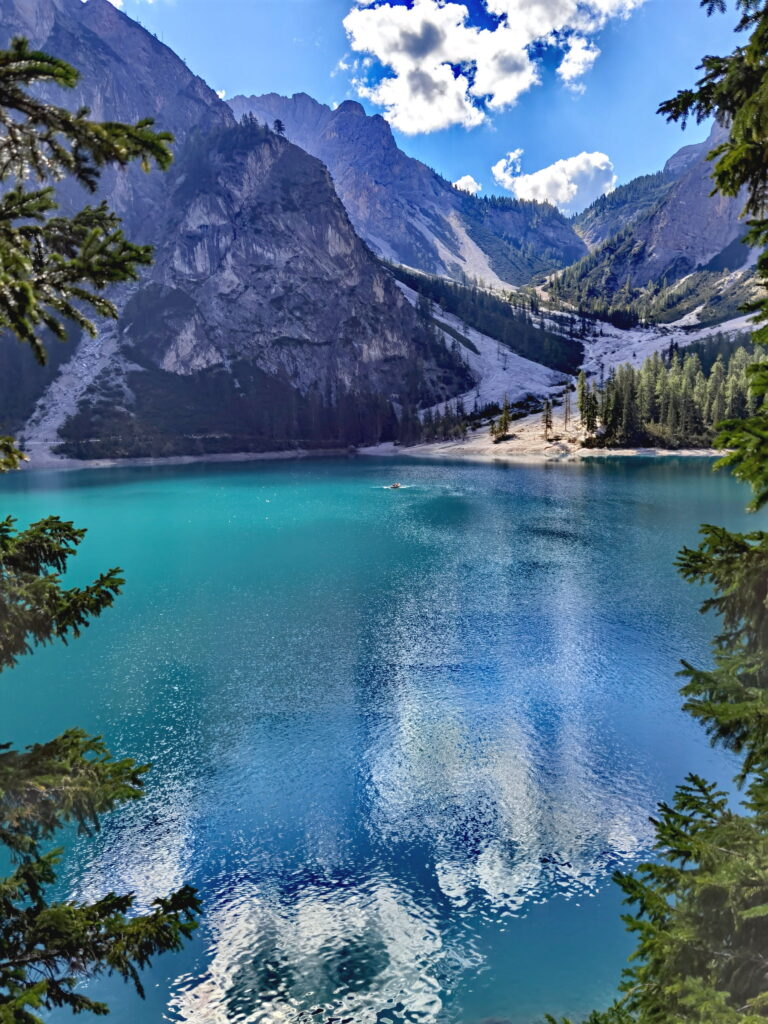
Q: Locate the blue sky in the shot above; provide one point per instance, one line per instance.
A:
(556, 118)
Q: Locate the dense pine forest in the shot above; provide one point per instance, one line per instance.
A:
(670, 402)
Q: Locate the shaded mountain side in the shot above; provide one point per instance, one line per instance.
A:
(23, 380)
(126, 73)
(262, 295)
(410, 214)
(671, 231)
(264, 322)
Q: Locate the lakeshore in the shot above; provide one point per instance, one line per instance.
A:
(525, 444)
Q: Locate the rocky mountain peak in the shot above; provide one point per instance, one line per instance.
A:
(408, 213)
(352, 107)
(264, 320)
(685, 157)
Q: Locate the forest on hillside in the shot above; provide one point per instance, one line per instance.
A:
(510, 319)
(672, 401)
(600, 285)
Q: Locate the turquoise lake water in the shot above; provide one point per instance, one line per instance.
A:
(400, 739)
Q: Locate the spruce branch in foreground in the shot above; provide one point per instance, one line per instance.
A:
(54, 271)
(700, 908)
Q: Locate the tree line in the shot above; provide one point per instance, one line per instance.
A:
(668, 403)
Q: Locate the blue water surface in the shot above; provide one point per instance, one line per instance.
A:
(400, 739)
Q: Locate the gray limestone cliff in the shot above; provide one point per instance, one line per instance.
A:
(265, 321)
(407, 212)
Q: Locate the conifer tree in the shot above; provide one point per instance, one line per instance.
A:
(566, 408)
(701, 907)
(589, 415)
(581, 393)
(53, 269)
(504, 419)
(546, 419)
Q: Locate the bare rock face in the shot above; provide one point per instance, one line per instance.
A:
(126, 74)
(658, 229)
(265, 321)
(261, 263)
(690, 226)
(687, 155)
(407, 212)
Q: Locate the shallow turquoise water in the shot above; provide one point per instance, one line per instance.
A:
(401, 738)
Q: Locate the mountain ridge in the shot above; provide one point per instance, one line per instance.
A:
(670, 232)
(247, 332)
(410, 214)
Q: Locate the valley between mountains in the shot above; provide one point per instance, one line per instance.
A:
(320, 289)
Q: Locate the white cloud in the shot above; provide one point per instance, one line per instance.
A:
(221, 93)
(433, 68)
(468, 184)
(579, 58)
(571, 184)
(423, 48)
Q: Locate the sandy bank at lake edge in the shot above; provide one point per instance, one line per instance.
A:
(527, 444)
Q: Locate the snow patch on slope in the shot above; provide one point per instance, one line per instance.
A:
(61, 397)
(614, 346)
(498, 371)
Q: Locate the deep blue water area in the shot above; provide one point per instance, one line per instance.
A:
(400, 739)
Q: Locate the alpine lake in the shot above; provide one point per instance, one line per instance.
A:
(400, 739)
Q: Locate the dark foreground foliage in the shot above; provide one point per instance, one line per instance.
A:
(699, 911)
(52, 269)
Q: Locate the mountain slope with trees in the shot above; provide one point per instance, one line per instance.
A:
(231, 343)
(654, 232)
(610, 213)
(513, 319)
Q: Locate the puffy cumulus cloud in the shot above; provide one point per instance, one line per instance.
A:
(578, 59)
(423, 100)
(426, 51)
(505, 171)
(535, 20)
(432, 67)
(468, 184)
(571, 184)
